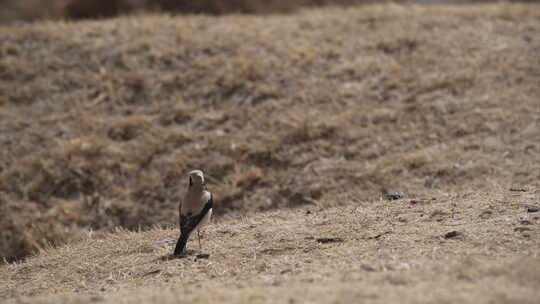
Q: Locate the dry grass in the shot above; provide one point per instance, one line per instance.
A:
(99, 121)
(400, 251)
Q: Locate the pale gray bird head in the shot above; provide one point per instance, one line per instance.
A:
(196, 178)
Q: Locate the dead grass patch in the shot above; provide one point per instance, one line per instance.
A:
(285, 110)
(387, 251)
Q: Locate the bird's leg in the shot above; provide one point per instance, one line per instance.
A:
(199, 236)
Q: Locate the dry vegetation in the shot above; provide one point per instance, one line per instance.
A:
(99, 121)
(474, 247)
(328, 108)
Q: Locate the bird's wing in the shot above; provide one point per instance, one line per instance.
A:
(188, 222)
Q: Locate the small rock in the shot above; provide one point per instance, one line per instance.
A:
(368, 267)
(329, 240)
(392, 196)
(486, 214)
(396, 281)
(524, 220)
(532, 209)
(379, 235)
(202, 256)
(452, 234)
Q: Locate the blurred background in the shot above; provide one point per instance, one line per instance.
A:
(31, 10)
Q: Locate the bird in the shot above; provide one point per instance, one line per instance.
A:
(195, 210)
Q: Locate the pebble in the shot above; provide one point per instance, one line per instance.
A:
(524, 220)
(368, 267)
(532, 209)
(203, 256)
(329, 240)
(392, 196)
(452, 234)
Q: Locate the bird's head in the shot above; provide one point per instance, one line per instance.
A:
(196, 178)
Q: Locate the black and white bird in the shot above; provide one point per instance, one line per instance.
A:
(195, 210)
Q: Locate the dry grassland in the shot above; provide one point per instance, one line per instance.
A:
(469, 248)
(327, 109)
(100, 120)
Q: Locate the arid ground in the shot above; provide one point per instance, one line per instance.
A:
(474, 247)
(304, 124)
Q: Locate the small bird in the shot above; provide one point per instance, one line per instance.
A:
(195, 210)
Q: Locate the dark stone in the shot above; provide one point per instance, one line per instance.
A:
(379, 235)
(532, 209)
(392, 196)
(329, 240)
(368, 267)
(452, 234)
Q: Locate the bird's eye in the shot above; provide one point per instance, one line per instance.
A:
(190, 181)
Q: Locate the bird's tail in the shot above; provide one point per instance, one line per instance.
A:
(181, 244)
